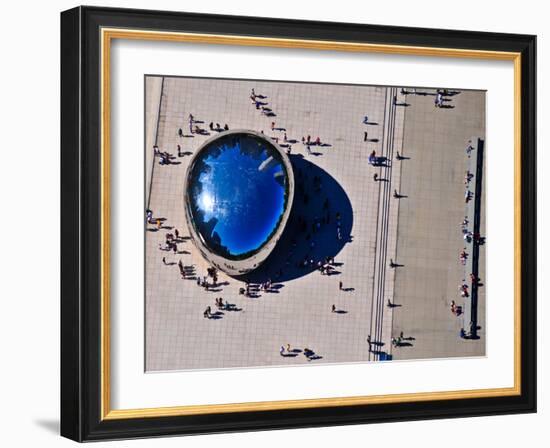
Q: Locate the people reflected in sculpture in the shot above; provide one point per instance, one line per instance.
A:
(238, 194)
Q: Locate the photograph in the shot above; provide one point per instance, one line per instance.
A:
(280, 223)
(275, 225)
(303, 223)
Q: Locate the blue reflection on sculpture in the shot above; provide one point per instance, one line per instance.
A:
(237, 194)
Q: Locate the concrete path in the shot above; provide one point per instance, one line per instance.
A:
(429, 235)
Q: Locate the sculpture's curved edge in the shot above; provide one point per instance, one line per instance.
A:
(242, 266)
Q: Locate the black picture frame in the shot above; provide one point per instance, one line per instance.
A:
(81, 224)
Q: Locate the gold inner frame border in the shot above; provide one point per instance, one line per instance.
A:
(107, 35)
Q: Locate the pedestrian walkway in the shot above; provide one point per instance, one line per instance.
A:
(471, 235)
(389, 175)
(429, 239)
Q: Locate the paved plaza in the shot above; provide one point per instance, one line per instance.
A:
(429, 234)
(419, 229)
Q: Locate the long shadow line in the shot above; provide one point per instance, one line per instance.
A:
(391, 150)
(382, 240)
(385, 223)
(156, 143)
(380, 258)
(383, 192)
(149, 193)
(376, 240)
(389, 175)
(477, 225)
(397, 230)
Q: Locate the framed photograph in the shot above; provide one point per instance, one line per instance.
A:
(275, 223)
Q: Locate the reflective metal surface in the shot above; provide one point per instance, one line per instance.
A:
(237, 194)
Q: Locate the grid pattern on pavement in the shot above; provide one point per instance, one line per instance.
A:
(299, 313)
(177, 336)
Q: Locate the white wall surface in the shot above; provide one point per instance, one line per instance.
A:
(29, 230)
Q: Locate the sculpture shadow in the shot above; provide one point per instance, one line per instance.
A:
(311, 232)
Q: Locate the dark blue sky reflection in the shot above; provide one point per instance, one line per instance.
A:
(237, 194)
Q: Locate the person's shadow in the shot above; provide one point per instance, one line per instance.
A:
(311, 232)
